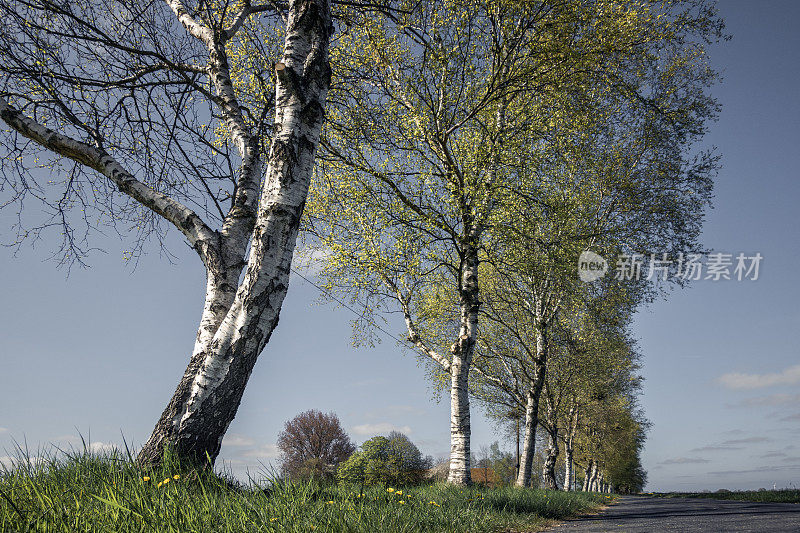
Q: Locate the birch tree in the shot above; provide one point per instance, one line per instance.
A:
(404, 198)
(601, 361)
(424, 147)
(618, 174)
(131, 108)
(614, 432)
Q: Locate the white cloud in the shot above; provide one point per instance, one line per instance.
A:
(8, 462)
(381, 428)
(101, 447)
(268, 451)
(738, 380)
(238, 440)
(3, 430)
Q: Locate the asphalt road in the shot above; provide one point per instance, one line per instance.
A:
(688, 515)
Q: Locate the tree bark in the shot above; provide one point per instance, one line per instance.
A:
(593, 478)
(237, 323)
(528, 441)
(587, 474)
(462, 350)
(532, 408)
(568, 457)
(569, 442)
(549, 468)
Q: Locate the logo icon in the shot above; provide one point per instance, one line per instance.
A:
(591, 266)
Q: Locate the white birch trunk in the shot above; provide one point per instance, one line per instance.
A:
(532, 408)
(569, 441)
(528, 441)
(587, 474)
(236, 322)
(568, 456)
(549, 468)
(236, 325)
(462, 350)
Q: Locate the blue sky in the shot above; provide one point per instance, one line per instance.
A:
(100, 352)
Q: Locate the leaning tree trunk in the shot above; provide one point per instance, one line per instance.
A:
(532, 408)
(237, 323)
(462, 350)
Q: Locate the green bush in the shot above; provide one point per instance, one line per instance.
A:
(391, 460)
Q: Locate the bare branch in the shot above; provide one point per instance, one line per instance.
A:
(200, 236)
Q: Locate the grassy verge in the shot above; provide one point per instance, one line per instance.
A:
(779, 496)
(88, 493)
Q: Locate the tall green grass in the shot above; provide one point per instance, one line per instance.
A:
(84, 492)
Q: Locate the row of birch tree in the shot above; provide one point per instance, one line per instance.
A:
(447, 161)
(472, 151)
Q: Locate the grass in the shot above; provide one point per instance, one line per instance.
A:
(779, 496)
(84, 492)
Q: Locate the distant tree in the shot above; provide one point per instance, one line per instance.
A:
(393, 460)
(503, 463)
(494, 466)
(313, 444)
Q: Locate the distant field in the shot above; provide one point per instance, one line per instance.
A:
(780, 496)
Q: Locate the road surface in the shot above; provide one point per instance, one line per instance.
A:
(642, 514)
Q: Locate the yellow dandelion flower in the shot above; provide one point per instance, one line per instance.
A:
(145, 478)
(390, 489)
(272, 519)
(176, 476)
(165, 481)
(399, 492)
(330, 502)
(159, 484)
(402, 502)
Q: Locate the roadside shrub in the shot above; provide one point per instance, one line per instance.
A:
(391, 460)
